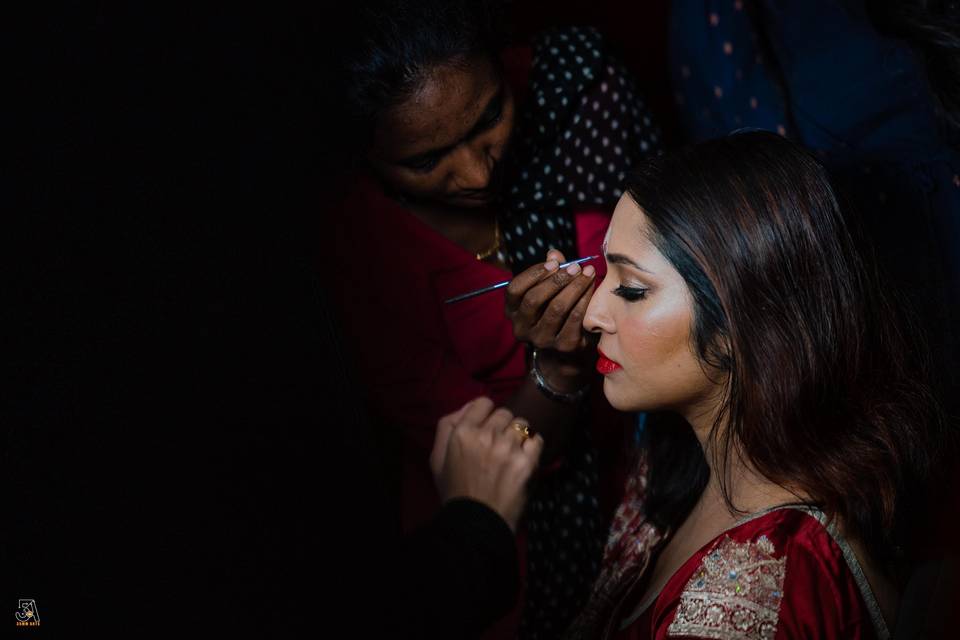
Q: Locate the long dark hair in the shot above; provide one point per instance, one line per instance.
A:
(822, 394)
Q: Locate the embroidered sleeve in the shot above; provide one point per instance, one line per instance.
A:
(735, 593)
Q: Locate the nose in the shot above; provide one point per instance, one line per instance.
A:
(474, 167)
(597, 319)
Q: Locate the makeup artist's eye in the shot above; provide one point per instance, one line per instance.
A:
(492, 119)
(630, 294)
(423, 165)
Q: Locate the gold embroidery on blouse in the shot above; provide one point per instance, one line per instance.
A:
(734, 593)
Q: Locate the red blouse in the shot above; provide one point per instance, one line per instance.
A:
(419, 359)
(782, 574)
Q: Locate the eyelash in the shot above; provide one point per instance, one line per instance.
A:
(630, 294)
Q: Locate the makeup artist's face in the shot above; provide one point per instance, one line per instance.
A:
(444, 143)
(643, 312)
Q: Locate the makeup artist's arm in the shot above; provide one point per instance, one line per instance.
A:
(547, 305)
(459, 573)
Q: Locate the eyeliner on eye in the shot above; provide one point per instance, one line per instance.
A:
(630, 294)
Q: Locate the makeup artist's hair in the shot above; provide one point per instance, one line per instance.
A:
(391, 45)
(820, 394)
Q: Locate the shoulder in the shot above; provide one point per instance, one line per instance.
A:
(780, 575)
(735, 590)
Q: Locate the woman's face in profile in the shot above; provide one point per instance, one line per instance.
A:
(643, 312)
(444, 143)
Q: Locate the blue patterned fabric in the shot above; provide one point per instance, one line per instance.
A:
(819, 72)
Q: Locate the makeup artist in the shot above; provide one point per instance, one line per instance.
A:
(473, 160)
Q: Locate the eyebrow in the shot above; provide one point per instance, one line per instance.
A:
(442, 151)
(619, 258)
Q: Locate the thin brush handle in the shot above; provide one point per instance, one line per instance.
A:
(501, 285)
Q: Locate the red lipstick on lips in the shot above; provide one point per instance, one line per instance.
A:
(605, 365)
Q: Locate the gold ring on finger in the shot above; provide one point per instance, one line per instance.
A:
(523, 429)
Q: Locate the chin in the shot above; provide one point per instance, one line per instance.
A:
(618, 399)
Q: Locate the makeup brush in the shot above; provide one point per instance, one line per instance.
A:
(500, 285)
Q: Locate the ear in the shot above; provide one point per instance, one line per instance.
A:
(718, 359)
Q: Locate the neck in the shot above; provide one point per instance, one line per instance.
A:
(731, 472)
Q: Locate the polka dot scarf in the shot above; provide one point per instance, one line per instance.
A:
(580, 131)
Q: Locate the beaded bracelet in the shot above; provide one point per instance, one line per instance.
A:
(553, 394)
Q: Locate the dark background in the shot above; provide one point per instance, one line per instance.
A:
(171, 440)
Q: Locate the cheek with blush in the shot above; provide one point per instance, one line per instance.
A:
(660, 368)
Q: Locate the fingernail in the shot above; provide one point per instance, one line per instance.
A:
(551, 265)
(589, 271)
(573, 269)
